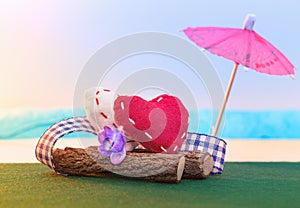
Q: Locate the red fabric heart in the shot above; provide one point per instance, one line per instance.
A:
(160, 125)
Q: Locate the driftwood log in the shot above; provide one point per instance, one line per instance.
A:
(198, 165)
(168, 168)
(150, 166)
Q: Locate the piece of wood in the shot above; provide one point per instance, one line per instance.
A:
(141, 163)
(167, 168)
(198, 165)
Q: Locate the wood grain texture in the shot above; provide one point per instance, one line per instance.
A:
(157, 167)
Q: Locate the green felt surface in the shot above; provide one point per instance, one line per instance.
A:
(240, 185)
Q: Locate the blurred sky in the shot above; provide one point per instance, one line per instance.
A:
(45, 44)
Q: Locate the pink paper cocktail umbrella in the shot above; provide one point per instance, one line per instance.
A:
(243, 46)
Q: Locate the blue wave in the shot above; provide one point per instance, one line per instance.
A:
(262, 124)
(29, 123)
(237, 124)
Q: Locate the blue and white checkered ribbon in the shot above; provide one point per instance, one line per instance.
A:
(215, 146)
(44, 147)
(206, 143)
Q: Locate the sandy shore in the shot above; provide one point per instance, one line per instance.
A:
(263, 150)
(22, 150)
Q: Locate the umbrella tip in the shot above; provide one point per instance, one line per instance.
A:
(249, 21)
(292, 76)
(246, 69)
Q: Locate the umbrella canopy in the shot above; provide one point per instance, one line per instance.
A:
(242, 46)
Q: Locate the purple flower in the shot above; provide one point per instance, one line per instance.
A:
(112, 144)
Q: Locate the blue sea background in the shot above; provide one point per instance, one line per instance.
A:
(17, 124)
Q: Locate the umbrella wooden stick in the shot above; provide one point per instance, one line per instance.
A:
(216, 129)
(248, 24)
